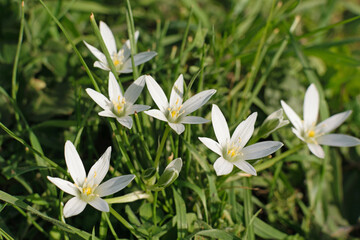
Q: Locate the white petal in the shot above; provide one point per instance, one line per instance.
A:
(156, 114)
(100, 168)
(292, 116)
(297, 133)
(137, 108)
(108, 38)
(311, 106)
(194, 120)
(211, 144)
(338, 140)
(261, 149)
(125, 121)
(223, 167)
(196, 101)
(177, 92)
(113, 185)
(73, 207)
(175, 164)
(136, 36)
(101, 65)
(157, 93)
(332, 122)
(246, 167)
(107, 113)
(177, 127)
(220, 126)
(244, 131)
(74, 164)
(113, 88)
(316, 150)
(134, 90)
(139, 58)
(99, 55)
(100, 204)
(100, 99)
(64, 185)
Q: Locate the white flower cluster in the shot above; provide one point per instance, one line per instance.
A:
(231, 149)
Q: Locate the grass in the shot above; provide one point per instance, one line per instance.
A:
(254, 53)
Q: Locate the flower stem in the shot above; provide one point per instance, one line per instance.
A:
(161, 147)
(248, 210)
(154, 207)
(143, 142)
(123, 221)
(267, 164)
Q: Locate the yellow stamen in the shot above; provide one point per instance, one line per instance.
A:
(87, 191)
(231, 152)
(116, 62)
(311, 133)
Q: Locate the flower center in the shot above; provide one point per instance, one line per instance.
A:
(87, 190)
(118, 59)
(119, 106)
(175, 111)
(311, 133)
(233, 152)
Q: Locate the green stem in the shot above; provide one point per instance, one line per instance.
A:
(154, 207)
(248, 209)
(143, 142)
(274, 160)
(160, 148)
(131, 32)
(123, 221)
(15, 86)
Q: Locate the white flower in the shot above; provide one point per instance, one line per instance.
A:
(87, 189)
(175, 112)
(231, 150)
(313, 134)
(273, 122)
(121, 59)
(120, 106)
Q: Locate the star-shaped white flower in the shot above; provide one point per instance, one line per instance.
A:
(120, 106)
(313, 134)
(175, 112)
(87, 189)
(231, 150)
(121, 59)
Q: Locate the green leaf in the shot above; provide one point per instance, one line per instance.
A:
(216, 233)
(65, 227)
(180, 215)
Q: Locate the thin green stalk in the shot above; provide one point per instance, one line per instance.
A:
(263, 78)
(154, 207)
(248, 209)
(123, 221)
(73, 46)
(33, 150)
(257, 61)
(124, 153)
(160, 148)
(105, 50)
(182, 47)
(17, 55)
(141, 135)
(14, 85)
(110, 226)
(269, 163)
(131, 32)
